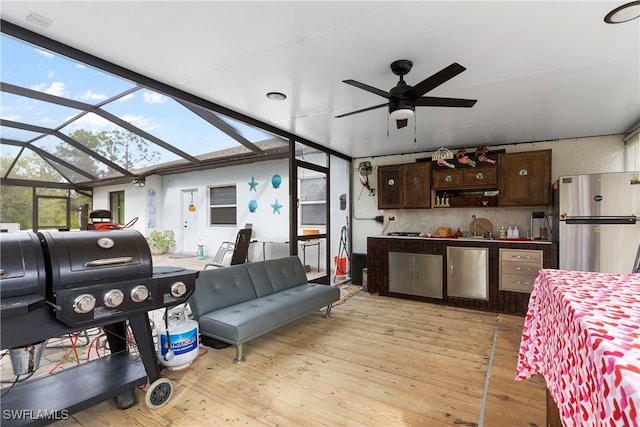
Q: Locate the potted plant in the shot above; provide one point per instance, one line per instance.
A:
(160, 241)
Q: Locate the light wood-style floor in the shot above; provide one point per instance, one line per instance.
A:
(377, 362)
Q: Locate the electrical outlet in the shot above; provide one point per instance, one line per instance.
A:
(392, 218)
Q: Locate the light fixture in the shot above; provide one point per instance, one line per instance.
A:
(138, 183)
(402, 114)
(276, 96)
(192, 207)
(39, 20)
(624, 13)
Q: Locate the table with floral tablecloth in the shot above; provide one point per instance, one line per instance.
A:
(582, 334)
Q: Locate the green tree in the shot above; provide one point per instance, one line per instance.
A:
(16, 206)
(16, 203)
(126, 149)
(78, 158)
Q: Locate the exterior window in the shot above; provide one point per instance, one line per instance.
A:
(313, 201)
(222, 205)
(116, 203)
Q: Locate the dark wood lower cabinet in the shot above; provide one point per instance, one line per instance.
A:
(510, 302)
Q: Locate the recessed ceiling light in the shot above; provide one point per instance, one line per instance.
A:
(624, 13)
(276, 96)
(39, 20)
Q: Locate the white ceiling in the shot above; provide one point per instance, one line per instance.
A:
(540, 70)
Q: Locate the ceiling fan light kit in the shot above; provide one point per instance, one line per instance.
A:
(403, 98)
(402, 114)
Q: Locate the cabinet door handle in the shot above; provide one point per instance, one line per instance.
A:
(451, 270)
(522, 268)
(411, 273)
(520, 282)
(417, 274)
(520, 256)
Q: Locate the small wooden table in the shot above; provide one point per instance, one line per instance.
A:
(582, 334)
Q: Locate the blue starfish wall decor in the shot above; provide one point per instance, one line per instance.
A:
(276, 207)
(252, 185)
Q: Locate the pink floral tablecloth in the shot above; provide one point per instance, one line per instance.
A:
(582, 334)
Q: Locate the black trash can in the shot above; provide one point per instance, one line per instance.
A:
(358, 262)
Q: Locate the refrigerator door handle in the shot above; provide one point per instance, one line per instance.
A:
(618, 220)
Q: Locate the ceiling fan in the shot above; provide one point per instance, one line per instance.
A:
(403, 98)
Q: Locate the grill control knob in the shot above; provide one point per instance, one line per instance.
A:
(84, 303)
(139, 294)
(178, 289)
(113, 298)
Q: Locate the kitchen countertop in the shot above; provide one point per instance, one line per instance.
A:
(471, 239)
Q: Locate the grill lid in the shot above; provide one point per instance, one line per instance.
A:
(22, 273)
(83, 258)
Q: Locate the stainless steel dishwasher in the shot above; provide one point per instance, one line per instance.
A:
(468, 272)
(415, 274)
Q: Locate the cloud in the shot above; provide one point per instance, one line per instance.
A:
(45, 53)
(10, 116)
(126, 98)
(140, 122)
(91, 122)
(55, 88)
(91, 96)
(154, 98)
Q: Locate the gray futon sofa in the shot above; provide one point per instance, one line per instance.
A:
(239, 303)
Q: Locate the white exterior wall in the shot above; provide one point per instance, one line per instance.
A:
(569, 157)
(171, 206)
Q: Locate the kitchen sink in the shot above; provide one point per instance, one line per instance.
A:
(474, 238)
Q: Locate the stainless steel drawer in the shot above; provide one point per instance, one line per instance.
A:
(523, 268)
(518, 269)
(516, 282)
(521, 255)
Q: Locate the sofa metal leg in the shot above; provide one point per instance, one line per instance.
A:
(328, 313)
(239, 356)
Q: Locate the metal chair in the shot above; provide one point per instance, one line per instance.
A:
(308, 243)
(239, 250)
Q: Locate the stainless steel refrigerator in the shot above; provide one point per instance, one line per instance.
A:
(599, 222)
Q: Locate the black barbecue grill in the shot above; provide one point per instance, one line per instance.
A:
(53, 283)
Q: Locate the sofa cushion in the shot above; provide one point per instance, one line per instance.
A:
(221, 287)
(250, 319)
(281, 273)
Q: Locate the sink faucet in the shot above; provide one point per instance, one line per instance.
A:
(475, 225)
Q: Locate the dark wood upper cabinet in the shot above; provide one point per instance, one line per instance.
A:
(519, 179)
(525, 178)
(389, 192)
(404, 186)
(485, 177)
(416, 185)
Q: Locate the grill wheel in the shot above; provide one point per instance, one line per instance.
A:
(159, 393)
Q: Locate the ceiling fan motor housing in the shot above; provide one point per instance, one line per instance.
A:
(399, 100)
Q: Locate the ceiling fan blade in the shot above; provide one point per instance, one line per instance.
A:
(402, 123)
(432, 101)
(363, 110)
(435, 80)
(368, 88)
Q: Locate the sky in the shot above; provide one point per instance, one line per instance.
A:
(34, 68)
